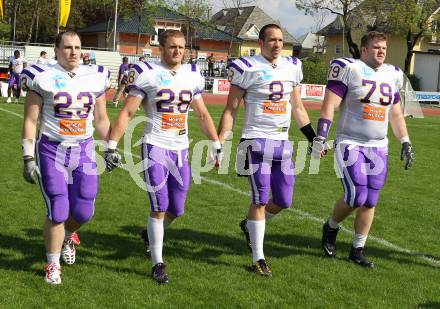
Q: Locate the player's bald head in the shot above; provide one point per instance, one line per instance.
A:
(61, 35)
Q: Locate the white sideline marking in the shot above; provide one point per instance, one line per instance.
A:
(305, 214)
(13, 113)
(432, 261)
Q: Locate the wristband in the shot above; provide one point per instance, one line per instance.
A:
(324, 127)
(28, 145)
(308, 132)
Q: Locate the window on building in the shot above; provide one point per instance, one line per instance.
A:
(159, 30)
(337, 49)
(252, 52)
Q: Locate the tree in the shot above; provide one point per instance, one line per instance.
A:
(342, 8)
(412, 19)
(236, 5)
(195, 11)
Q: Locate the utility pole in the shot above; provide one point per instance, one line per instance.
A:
(115, 26)
(58, 17)
(14, 20)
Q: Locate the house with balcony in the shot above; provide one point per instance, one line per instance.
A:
(245, 23)
(138, 35)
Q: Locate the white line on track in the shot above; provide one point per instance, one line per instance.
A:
(430, 260)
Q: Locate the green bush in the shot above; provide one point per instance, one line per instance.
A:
(315, 71)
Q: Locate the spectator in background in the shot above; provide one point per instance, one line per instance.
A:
(222, 68)
(122, 80)
(16, 66)
(86, 59)
(192, 60)
(43, 58)
(211, 61)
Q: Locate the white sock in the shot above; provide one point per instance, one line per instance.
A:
(269, 215)
(256, 234)
(67, 235)
(53, 258)
(155, 236)
(359, 240)
(332, 223)
(167, 222)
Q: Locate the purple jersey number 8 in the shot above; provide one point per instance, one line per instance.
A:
(185, 98)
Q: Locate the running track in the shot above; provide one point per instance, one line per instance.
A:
(220, 99)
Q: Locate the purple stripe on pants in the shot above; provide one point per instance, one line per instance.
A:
(272, 170)
(69, 180)
(167, 181)
(364, 171)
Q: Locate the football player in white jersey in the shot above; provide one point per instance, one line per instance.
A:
(367, 91)
(65, 98)
(166, 91)
(269, 84)
(16, 66)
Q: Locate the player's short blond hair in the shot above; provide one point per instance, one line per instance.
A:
(163, 37)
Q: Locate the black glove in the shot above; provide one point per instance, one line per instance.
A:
(31, 171)
(112, 159)
(407, 154)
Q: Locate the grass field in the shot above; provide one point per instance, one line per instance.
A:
(205, 251)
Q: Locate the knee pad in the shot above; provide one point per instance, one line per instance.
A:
(358, 197)
(83, 205)
(84, 210)
(58, 210)
(282, 202)
(372, 198)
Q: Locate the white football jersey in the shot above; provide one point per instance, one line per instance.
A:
(267, 99)
(68, 98)
(368, 95)
(18, 64)
(166, 99)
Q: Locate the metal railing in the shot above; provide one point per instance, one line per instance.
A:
(219, 67)
(7, 52)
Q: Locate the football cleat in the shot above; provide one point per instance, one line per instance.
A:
(357, 256)
(246, 234)
(159, 274)
(53, 273)
(75, 239)
(68, 253)
(328, 242)
(144, 236)
(261, 268)
(8, 100)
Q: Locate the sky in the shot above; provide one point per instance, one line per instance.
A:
(294, 20)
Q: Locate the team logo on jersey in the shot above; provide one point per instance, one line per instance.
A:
(60, 81)
(265, 75)
(163, 79)
(367, 71)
